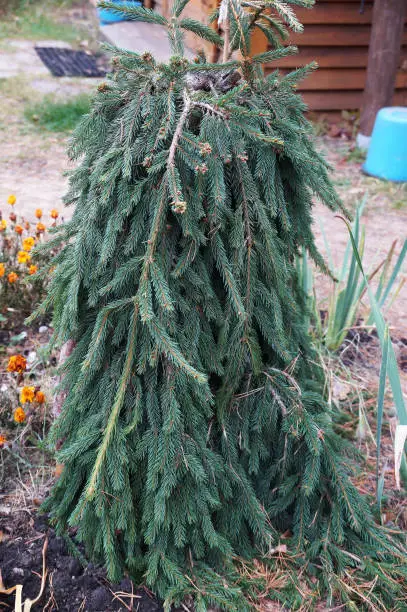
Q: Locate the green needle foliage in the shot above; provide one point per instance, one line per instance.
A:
(195, 429)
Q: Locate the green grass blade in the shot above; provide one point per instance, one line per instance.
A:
(345, 302)
(384, 272)
(380, 400)
(327, 248)
(393, 373)
(352, 293)
(394, 274)
(348, 249)
(380, 490)
(305, 278)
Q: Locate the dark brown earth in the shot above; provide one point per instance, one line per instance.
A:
(70, 587)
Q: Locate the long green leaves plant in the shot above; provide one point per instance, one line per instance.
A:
(344, 306)
(345, 301)
(389, 369)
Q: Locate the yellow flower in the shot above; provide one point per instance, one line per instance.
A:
(2, 269)
(32, 269)
(12, 277)
(3, 225)
(40, 397)
(54, 213)
(38, 213)
(16, 363)
(28, 243)
(27, 394)
(18, 229)
(11, 199)
(40, 228)
(19, 415)
(3, 440)
(23, 257)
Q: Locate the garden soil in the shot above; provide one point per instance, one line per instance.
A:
(69, 586)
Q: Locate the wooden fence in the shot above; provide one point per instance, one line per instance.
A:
(336, 35)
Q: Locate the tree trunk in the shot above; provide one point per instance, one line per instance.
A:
(384, 57)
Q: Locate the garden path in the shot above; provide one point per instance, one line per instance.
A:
(32, 162)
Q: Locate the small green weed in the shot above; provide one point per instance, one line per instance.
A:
(56, 115)
(356, 155)
(342, 181)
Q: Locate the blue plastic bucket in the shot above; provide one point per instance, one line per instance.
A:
(387, 155)
(106, 16)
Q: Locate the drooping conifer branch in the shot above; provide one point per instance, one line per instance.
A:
(173, 147)
(196, 426)
(117, 406)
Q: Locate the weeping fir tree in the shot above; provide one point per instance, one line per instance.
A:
(197, 441)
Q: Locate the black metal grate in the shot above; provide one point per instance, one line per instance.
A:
(66, 62)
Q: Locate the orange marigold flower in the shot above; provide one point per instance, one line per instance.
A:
(27, 394)
(28, 243)
(18, 229)
(11, 199)
(19, 415)
(40, 397)
(38, 213)
(54, 213)
(3, 225)
(27, 225)
(41, 228)
(17, 363)
(2, 269)
(23, 257)
(3, 440)
(13, 217)
(59, 468)
(32, 269)
(12, 277)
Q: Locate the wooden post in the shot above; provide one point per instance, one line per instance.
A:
(384, 56)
